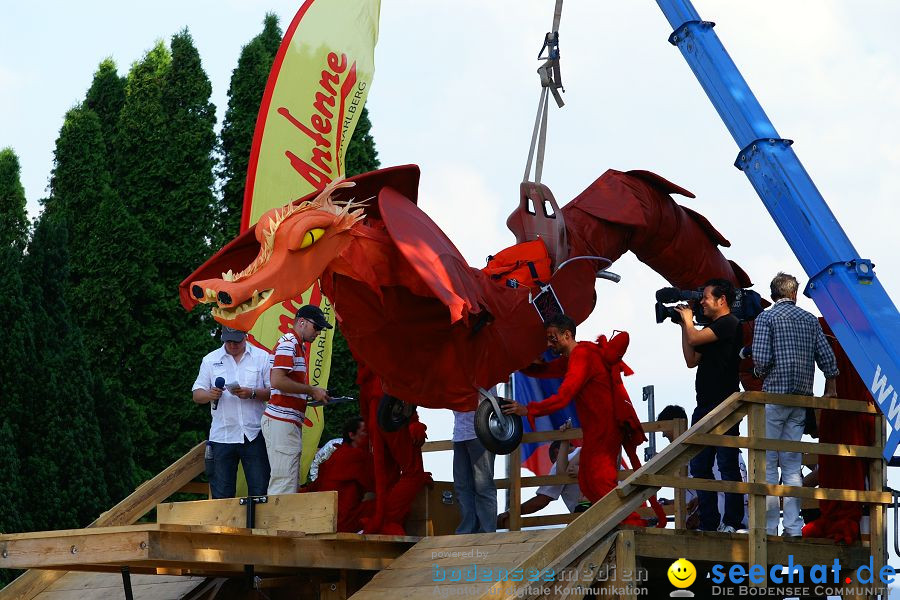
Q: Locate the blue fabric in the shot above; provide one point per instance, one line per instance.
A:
(222, 463)
(531, 389)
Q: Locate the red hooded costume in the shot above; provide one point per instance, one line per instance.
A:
(839, 519)
(593, 379)
(351, 473)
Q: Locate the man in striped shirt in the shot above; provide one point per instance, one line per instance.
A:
(284, 416)
(787, 344)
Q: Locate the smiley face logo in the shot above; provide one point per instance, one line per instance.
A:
(682, 573)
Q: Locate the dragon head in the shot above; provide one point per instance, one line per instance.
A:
(296, 244)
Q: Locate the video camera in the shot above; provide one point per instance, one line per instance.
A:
(746, 306)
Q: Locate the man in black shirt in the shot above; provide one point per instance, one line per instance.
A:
(714, 351)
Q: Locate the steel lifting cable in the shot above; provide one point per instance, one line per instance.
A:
(551, 83)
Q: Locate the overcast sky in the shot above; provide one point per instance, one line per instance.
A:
(455, 92)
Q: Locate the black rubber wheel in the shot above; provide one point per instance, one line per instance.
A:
(393, 413)
(501, 434)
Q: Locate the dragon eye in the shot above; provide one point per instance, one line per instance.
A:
(312, 236)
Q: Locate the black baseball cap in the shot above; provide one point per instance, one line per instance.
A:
(232, 335)
(314, 315)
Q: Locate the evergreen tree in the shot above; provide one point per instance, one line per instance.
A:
(103, 268)
(15, 333)
(141, 143)
(62, 445)
(106, 97)
(13, 218)
(362, 156)
(164, 175)
(248, 83)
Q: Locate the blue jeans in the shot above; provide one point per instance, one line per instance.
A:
(702, 468)
(473, 482)
(222, 463)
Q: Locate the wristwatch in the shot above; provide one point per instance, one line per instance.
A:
(253, 394)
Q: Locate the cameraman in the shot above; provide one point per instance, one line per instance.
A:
(714, 351)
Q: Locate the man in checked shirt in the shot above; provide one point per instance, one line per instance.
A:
(787, 341)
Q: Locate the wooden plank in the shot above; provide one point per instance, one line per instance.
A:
(591, 563)
(679, 450)
(120, 546)
(733, 548)
(876, 511)
(314, 512)
(196, 487)
(733, 441)
(570, 543)
(156, 591)
(740, 487)
(681, 425)
(336, 590)
(515, 489)
(756, 474)
(170, 548)
(626, 562)
(129, 510)
(731, 420)
(810, 402)
(85, 581)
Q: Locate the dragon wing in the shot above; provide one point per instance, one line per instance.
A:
(431, 254)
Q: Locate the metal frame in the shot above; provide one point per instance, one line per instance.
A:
(842, 284)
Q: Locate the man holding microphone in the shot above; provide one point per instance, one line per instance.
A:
(233, 380)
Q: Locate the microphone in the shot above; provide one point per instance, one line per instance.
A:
(220, 383)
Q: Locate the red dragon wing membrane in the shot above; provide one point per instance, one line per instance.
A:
(634, 211)
(431, 254)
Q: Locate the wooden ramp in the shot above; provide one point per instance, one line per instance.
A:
(108, 586)
(453, 565)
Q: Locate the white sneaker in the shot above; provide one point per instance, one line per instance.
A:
(726, 528)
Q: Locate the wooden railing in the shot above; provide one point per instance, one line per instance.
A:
(515, 482)
(669, 469)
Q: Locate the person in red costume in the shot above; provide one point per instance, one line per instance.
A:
(399, 471)
(350, 472)
(840, 519)
(593, 379)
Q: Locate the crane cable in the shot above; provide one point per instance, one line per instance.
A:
(551, 83)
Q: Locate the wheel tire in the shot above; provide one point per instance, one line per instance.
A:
(393, 413)
(501, 434)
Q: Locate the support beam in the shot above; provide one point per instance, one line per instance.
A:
(756, 475)
(310, 513)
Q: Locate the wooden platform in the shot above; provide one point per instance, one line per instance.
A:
(200, 551)
(197, 550)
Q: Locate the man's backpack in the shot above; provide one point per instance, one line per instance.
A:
(526, 264)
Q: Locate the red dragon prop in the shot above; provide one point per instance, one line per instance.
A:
(430, 326)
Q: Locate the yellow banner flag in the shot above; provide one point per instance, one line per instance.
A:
(315, 93)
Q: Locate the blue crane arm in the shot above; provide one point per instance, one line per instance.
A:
(842, 284)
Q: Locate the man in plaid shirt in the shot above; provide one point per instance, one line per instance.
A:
(787, 342)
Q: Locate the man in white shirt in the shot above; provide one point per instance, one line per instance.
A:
(234, 381)
(570, 492)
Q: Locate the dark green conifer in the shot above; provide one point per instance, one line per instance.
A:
(248, 82)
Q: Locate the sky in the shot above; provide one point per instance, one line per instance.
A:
(455, 91)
